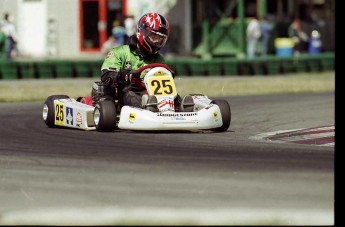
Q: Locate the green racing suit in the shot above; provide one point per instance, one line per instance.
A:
(122, 58)
(114, 78)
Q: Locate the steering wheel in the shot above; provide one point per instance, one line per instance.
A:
(136, 73)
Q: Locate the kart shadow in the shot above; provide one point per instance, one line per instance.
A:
(148, 131)
(174, 131)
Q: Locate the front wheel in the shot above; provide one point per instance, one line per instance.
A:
(104, 116)
(226, 115)
(48, 111)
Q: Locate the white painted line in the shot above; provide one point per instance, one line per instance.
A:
(166, 216)
(322, 128)
(327, 144)
(306, 136)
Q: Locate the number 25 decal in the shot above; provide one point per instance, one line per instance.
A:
(164, 84)
(59, 114)
(162, 87)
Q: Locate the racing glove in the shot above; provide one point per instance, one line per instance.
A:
(114, 78)
(109, 76)
(126, 77)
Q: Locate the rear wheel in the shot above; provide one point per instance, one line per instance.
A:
(49, 110)
(104, 116)
(226, 114)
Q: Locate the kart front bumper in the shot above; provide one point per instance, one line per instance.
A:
(139, 119)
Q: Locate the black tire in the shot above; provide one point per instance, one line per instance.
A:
(104, 116)
(226, 115)
(48, 111)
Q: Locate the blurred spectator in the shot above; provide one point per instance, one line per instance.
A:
(130, 25)
(253, 35)
(315, 44)
(9, 30)
(298, 35)
(2, 44)
(266, 29)
(108, 45)
(119, 32)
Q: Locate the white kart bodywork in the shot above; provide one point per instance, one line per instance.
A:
(60, 110)
(74, 114)
(208, 117)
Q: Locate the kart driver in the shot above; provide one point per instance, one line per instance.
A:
(143, 48)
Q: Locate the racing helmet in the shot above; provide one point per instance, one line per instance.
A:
(152, 32)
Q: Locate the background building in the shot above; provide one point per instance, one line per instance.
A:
(78, 28)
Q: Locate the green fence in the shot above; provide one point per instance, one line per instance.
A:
(270, 65)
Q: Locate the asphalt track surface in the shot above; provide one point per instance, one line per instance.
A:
(71, 177)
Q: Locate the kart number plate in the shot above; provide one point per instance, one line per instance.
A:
(59, 114)
(162, 86)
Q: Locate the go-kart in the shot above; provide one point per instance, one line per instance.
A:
(108, 115)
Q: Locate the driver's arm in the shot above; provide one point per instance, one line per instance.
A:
(112, 73)
(113, 77)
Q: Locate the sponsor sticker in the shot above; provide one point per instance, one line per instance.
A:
(166, 104)
(215, 116)
(131, 117)
(79, 118)
(128, 65)
(180, 118)
(69, 116)
(159, 73)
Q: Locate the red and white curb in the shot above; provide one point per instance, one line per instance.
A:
(320, 136)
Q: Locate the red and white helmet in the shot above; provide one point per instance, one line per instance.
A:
(152, 32)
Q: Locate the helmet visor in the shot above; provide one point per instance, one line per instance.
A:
(156, 40)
